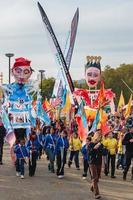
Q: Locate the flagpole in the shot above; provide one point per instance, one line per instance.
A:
(127, 86)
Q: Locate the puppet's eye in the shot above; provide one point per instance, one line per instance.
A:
(26, 71)
(18, 70)
(95, 74)
(89, 74)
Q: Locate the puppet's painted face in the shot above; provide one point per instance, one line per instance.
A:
(92, 76)
(22, 74)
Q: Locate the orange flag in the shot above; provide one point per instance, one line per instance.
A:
(101, 95)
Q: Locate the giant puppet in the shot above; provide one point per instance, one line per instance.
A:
(93, 101)
(93, 77)
(17, 106)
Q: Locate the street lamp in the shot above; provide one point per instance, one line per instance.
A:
(41, 72)
(9, 55)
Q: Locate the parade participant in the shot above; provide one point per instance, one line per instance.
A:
(112, 150)
(85, 154)
(121, 153)
(21, 153)
(49, 147)
(105, 156)
(2, 136)
(95, 162)
(61, 153)
(33, 147)
(128, 142)
(74, 147)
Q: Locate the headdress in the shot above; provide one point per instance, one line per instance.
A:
(93, 61)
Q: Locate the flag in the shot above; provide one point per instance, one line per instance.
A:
(41, 114)
(103, 117)
(95, 122)
(67, 106)
(67, 53)
(128, 108)
(121, 102)
(82, 131)
(105, 129)
(64, 97)
(81, 112)
(46, 105)
(101, 96)
(58, 51)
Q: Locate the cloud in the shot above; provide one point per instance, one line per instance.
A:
(105, 28)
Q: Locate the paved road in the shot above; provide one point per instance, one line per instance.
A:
(46, 186)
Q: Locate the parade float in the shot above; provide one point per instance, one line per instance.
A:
(17, 110)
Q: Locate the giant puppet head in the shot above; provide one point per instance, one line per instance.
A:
(93, 71)
(21, 70)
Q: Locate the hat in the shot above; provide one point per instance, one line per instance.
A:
(21, 62)
(93, 61)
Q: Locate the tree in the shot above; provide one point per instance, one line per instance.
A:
(47, 87)
(113, 79)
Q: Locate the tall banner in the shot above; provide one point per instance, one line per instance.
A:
(74, 26)
(59, 53)
(58, 87)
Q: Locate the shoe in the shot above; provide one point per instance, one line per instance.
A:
(60, 176)
(1, 163)
(92, 189)
(77, 168)
(84, 177)
(22, 176)
(17, 174)
(113, 176)
(97, 196)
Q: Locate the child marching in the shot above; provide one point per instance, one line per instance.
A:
(21, 155)
(33, 145)
(49, 147)
(61, 153)
(85, 153)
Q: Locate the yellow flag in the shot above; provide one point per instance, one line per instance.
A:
(67, 105)
(121, 102)
(128, 108)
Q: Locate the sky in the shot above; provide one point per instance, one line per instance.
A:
(105, 29)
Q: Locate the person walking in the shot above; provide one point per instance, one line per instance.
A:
(85, 153)
(95, 149)
(128, 142)
(2, 136)
(61, 153)
(49, 148)
(21, 153)
(112, 150)
(33, 146)
(74, 146)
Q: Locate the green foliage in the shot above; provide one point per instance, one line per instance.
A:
(112, 77)
(47, 87)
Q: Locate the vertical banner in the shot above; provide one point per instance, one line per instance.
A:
(58, 87)
(59, 53)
